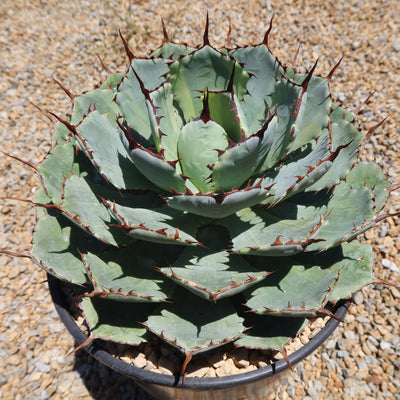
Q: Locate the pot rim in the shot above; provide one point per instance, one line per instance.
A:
(149, 377)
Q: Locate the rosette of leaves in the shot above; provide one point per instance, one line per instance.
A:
(207, 196)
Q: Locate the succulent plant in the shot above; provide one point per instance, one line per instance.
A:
(207, 196)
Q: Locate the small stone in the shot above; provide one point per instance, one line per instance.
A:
(330, 344)
(41, 367)
(390, 265)
(262, 364)
(372, 340)
(363, 373)
(65, 382)
(352, 388)
(36, 376)
(313, 361)
(385, 345)
(14, 360)
(372, 348)
(140, 361)
(199, 372)
(229, 367)
(300, 369)
(341, 344)
(350, 335)
(375, 379)
(395, 292)
(165, 371)
(215, 358)
(211, 373)
(313, 393)
(240, 357)
(219, 363)
(396, 45)
(363, 320)
(358, 298)
(342, 353)
(362, 364)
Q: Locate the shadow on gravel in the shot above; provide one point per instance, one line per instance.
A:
(103, 383)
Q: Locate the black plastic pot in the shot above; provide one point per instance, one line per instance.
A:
(254, 385)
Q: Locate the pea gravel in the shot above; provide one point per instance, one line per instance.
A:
(43, 39)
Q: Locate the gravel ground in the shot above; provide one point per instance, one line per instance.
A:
(45, 39)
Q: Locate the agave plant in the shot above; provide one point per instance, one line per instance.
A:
(207, 196)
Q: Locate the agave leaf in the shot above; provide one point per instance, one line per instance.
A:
(224, 112)
(205, 69)
(308, 221)
(370, 175)
(151, 71)
(342, 132)
(213, 276)
(211, 206)
(270, 332)
(283, 101)
(157, 170)
(355, 268)
(55, 244)
(241, 162)
(61, 134)
(342, 269)
(350, 212)
(112, 81)
(170, 122)
(197, 147)
(301, 169)
(196, 325)
(58, 165)
(260, 231)
(158, 225)
(127, 275)
(339, 114)
(82, 206)
(263, 67)
(98, 99)
(293, 291)
(313, 113)
(108, 154)
(41, 197)
(132, 100)
(120, 324)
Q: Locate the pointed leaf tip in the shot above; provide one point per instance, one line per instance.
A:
(358, 108)
(329, 76)
(127, 50)
(165, 33)
(309, 76)
(266, 36)
(66, 91)
(206, 41)
(228, 36)
(103, 64)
